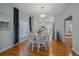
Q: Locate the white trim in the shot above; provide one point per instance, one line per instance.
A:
(75, 51)
(22, 39)
(13, 45)
(63, 40)
(7, 48)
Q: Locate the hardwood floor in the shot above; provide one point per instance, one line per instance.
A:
(56, 48)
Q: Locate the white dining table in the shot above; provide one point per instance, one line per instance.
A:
(39, 38)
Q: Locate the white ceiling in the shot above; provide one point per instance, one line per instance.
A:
(34, 9)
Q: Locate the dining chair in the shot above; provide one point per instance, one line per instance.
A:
(31, 40)
(41, 40)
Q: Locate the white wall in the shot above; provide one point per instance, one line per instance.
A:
(6, 36)
(59, 23)
(23, 25)
(72, 9)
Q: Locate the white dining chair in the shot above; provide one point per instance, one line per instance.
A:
(45, 33)
(40, 40)
(31, 40)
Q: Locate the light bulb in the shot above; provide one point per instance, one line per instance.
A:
(42, 15)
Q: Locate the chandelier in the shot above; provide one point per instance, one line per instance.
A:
(42, 12)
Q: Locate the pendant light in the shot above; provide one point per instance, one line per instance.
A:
(42, 12)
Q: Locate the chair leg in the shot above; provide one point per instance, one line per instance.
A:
(47, 44)
(38, 47)
(46, 47)
(32, 46)
(28, 44)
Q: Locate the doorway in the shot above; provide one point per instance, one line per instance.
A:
(16, 25)
(68, 31)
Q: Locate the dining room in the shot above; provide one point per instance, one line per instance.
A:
(42, 26)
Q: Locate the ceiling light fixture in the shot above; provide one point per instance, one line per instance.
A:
(42, 12)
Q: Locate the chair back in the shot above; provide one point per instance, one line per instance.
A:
(31, 37)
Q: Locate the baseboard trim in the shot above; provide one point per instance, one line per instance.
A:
(75, 51)
(22, 39)
(7, 48)
(13, 45)
(63, 41)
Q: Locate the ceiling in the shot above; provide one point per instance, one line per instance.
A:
(34, 9)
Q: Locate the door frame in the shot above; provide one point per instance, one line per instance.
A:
(68, 18)
(16, 25)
